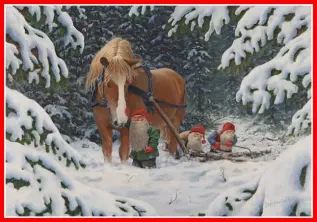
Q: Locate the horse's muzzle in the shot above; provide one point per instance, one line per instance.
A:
(116, 125)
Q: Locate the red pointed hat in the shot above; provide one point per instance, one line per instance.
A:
(141, 112)
(228, 126)
(199, 129)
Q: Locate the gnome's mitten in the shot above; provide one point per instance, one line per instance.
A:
(216, 145)
(228, 144)
(148, 149)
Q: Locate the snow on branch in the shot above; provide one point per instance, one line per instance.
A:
(30, 41)
(73, 36)
(293, 60)
(39, 185)
(282, 189)
(72, 32)
(301, 120)
(58, 110)
(134, 10)
(219, 16)
(252, 39)
(11, 59)
(26, 117)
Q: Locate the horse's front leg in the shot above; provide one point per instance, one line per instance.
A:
(124, 146)
(106, 137)
(102, 118)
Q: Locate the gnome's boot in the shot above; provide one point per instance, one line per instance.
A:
(215, 151)
(137, 163)
(151, 163)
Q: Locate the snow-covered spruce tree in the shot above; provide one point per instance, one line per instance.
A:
(52, 98)
(282, 189)
(31, 54)
(277, 80)
(37, 183)
(197, 74)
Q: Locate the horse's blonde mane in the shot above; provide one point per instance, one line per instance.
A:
(115, 51)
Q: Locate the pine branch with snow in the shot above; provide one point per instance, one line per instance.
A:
(274, 81)
(37, 185)
(282, 189)
(28, 123)
(32, 49)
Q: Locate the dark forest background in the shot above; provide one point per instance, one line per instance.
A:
(211, 93)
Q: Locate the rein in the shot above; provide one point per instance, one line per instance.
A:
(92, 99)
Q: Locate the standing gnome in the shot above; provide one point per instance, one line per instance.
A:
(194, 138)
(144, 140)
(224, 139)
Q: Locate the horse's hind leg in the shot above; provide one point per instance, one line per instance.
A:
(173, 142)
(176, 121)
(165, 137)
(124, 146)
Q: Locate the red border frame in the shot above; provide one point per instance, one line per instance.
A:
(155, 2)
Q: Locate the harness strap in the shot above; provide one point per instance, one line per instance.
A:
(150, 84)
(93, 101)
(145, 96)
(133, 89)
(146, 101)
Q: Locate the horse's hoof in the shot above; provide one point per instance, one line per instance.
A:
(165, 147)
(124, 162)
(177, 156)
(215, 151)
(107, 161)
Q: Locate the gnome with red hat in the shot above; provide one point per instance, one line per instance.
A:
(194, 138)
(143, 140)
(223, 139)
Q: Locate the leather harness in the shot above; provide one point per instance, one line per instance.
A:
(133, 89)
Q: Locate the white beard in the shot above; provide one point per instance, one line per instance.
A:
(226, 136)
(138, 135)
(194, 143)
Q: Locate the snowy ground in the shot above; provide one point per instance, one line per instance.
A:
(177, 187)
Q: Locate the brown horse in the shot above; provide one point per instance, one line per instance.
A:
(116, 61)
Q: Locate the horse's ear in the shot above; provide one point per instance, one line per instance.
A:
(104, 61)
(133, 62)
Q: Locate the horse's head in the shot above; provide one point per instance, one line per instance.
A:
(119, 74)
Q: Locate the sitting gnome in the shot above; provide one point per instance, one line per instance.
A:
(144, 140)
(194, 138)
(224, 139)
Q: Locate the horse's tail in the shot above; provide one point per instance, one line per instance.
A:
(184, 99)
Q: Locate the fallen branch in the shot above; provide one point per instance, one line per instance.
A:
(243, 147)
(234, 157)
(222, 170)
(174, 198)
(130, 179)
